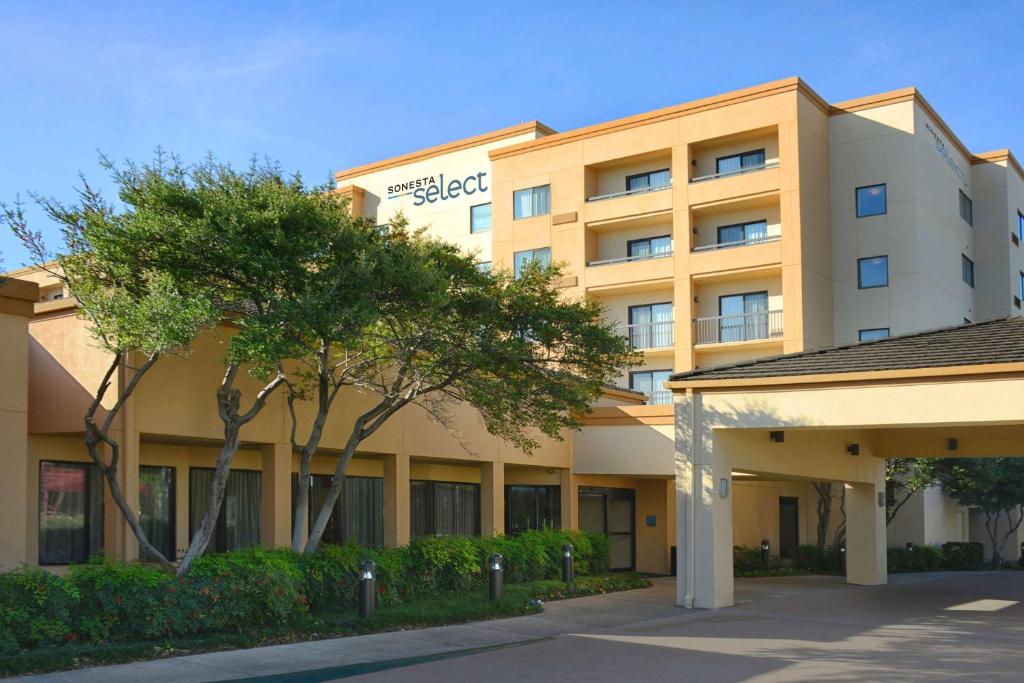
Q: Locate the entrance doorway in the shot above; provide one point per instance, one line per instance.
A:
(611, 512)
(789, 525)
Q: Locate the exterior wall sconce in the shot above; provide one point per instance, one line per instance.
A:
(723, 488)
(777, 437)
(953, 445)
(853, 448)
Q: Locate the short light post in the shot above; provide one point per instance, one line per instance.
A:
(766, 554)
(497, 577)
(1021, 560)
(568, 573)
(842, 558)
(910, 546)
(367, 588)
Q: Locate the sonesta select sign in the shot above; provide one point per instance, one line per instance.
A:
(429, 189)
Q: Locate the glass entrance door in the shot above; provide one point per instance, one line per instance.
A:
(611, 512)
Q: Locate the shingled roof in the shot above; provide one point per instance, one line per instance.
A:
(993, 341)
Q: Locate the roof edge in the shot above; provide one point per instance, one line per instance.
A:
(997, 155)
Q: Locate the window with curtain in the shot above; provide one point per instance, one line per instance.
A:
(540, 256)
(156, 508)
(873, 334)
(967, 265)
(532, 507)
(358, 515)
(873, 271)
(966, 208)
(444, 508)
(238, 525)
(480, 218)
(70, 512)
(651, 180)
(649, 247)
(652, 383)
(751, 232)
(533, 201)
(734, 163)
(743, 316)
(871, 200)
(650, 326)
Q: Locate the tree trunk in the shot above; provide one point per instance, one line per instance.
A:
(323, 517)
(301, 504)
(824, 489)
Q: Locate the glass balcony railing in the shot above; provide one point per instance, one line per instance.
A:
(739, 327)
(658, 335)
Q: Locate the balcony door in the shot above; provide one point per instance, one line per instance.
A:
(650, 326)
(743, 317)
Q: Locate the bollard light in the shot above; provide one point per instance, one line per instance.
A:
(367, 588)
(910, 545)
(497, 577)
(842, 558)
(766, 554)
(568, 574)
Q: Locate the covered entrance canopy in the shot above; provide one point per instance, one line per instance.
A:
(835, 415)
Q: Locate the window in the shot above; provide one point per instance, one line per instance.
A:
(873, 272)
(542, 257)
(358, 515)
(484, 266)
(735, 163)
(1022, 285)
(70, 512)
(444, 508)
(746, 233)
(533, 201)
(480, 218)
(871, 200)
(652, 383)
(966, 208)
(156, 507)
(650, 326)
(967, 265)
(649, 247)
(652, 180)
(743, 317)
(1020, 225)
(238, 525)
(532, 507)
(873, 333)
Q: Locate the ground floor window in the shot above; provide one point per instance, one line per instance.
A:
(156, 507)
(358, 515)
(70, 512)
(444, 508)
(532, 507)
(238, 525)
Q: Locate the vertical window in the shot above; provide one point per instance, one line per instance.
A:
(871, 200)
(1021, 289)
(650, 326)
(533, 201)
(652, 180)
(444, 508)
(70, 512)
(532, 507)
(873, 272)
(649, 247)
(873, 333)
(480, 218)
(541, 257)
(484, 266)
(967, 266)
(966, 208)
(743, 233)
(1020, 225)
(238, 525)
(358, 514)
(156, 508)
(743, 317)
(736, 163)
(652, 383)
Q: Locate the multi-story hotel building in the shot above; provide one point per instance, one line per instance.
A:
(759, 222)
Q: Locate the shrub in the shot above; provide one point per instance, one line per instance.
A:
(816, 559)
(918, 558)
(746, 559)
(963, 556)
(122, 601)
(36, 609)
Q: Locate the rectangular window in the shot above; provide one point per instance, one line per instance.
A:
(649, 247)
(358, 514)
(966, 208)
(542, 257)
(532, 507)
(533, 201)
(156, 507)
(70, 512)
(967, 265)
(650, 326)
(1020, 225)
(873, 333)
(743, 317)
(480, 218)
(652, 180)
(444, 508)
(736, 163)
(743, 233)
(871, 200)
(484, 266)
(1022, 285)
(873, 272)
(238, 525)
(652, 383)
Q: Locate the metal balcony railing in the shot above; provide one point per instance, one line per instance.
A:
(723, 174)
(629, 259)
(739, 243)
(627, 193)
(740, 327)
(650, 335)
(660, 397)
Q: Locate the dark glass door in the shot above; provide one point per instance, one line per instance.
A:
(789, 525)
(611, 512)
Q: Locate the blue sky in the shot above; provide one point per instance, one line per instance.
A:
(324, 86)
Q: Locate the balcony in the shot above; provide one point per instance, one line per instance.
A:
(650, 336)
(736, 172)
(739, 243)
(630, 193)
(629, 259)
(739, 327)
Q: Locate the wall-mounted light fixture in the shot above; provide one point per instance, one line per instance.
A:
(853, 448)
(953, 445)
(723, 488)
(777, 437)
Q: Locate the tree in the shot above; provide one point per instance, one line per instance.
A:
(824, 490)
(904, 477)
(995, 486)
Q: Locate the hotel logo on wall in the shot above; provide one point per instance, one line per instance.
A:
(943, 151)
(430, 189)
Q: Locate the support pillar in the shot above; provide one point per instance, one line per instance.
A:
(276, 496)
(396, 500)
(865, 532)
(492, 498)
(570, 500)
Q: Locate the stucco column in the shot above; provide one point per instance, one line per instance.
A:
(865, 531)
(276, 493)
(396, 500)
(131, 450)
(492, 498)
(570, 501)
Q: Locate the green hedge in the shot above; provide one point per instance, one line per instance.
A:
(960, 556)
(106, 601)
(918, 558)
